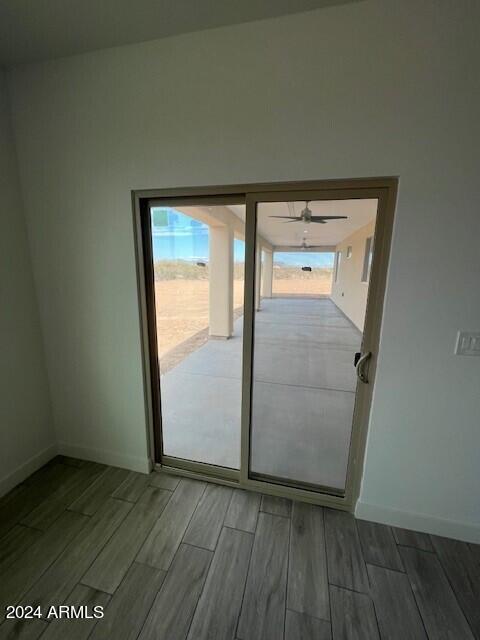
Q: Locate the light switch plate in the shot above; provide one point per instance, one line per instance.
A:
(468, 343)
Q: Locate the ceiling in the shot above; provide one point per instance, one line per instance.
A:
(33, 30)
(359, 213)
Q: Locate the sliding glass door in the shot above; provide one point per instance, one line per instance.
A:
(198, 258)
(262, 312)
(306, 329)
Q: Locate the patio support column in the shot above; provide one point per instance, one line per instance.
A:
(258, 276)
(267, 274)
(221, 281)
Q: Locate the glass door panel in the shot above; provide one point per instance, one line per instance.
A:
(198, 258)
(311, 291)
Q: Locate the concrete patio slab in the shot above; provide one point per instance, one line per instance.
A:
(301, 434)
(201, 418)
(303, 394)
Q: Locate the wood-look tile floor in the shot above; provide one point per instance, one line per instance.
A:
(177, 559)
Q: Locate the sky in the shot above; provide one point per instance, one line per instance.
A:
(176, 236)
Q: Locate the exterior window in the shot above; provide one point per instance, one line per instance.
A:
(338, 259)
(367, 259)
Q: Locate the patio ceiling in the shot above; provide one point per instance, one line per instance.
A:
(279, 233)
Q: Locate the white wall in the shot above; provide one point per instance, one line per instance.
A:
(26, 429)
(379, 87)
(349, 292)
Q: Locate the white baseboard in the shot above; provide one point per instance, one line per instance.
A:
(27, 468)
(467, 531)
(113, 458)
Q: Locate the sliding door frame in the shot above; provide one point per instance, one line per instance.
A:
(382, 189)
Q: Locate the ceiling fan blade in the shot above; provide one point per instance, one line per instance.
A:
(285, 217)
(318, 218)
(318, 221)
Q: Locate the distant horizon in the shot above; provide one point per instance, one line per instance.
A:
(176, 236)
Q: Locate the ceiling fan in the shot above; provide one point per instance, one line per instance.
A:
(305, 246)
(307, 217)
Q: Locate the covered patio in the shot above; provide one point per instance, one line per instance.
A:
(303, 394)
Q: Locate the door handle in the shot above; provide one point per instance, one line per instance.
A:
(360, 365)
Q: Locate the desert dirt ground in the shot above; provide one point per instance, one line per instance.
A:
(182, 305)
(302, 286)
(182, 310)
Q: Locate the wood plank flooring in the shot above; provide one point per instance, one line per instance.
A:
(175, 559)
(263, 609)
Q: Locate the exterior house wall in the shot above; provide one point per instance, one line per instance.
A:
(349, 293)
